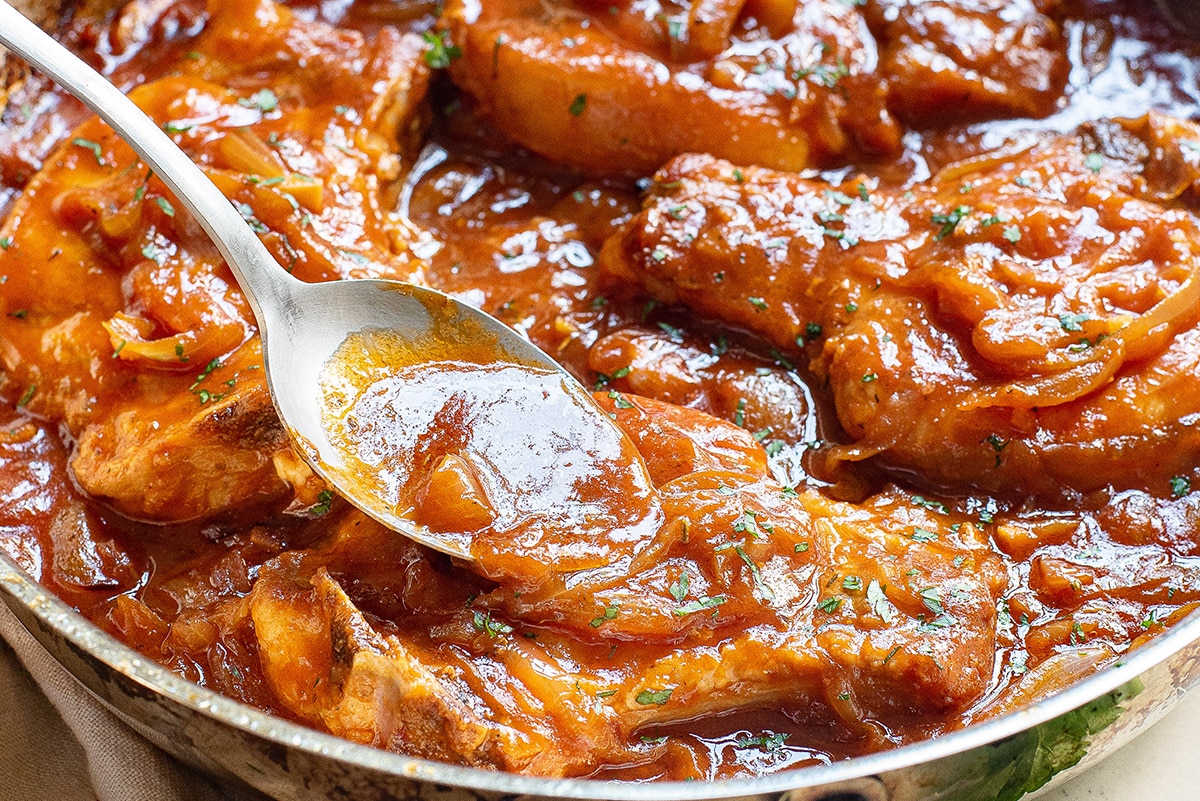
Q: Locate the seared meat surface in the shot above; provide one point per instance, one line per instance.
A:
(895, 358)
(622, 88)
(1024, 323)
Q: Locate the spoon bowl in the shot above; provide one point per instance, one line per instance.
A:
(304, 327)
(309, 331)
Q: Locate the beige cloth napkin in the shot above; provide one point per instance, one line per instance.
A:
(58, 743)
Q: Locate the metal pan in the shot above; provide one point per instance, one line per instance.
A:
(1008, 758)
(1012, 757)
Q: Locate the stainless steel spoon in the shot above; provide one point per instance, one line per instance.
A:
(302, 325)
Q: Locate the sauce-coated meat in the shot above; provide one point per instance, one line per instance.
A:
(622, 88)
(1022, 323)
(160, 304)
(746, 597)
(882, 451)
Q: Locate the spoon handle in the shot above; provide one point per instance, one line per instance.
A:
(252, 264)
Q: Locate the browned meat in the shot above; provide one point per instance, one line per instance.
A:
(753, 597)
(1023, 323)
(120, 317)
(949, 59)
(622, 88)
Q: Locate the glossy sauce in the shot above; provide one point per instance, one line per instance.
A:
(207, 545)
(512, 463)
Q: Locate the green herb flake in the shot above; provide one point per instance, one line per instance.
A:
(215, 364)
(932, 598)
(758, 303)
(324, 501)
(949, 222)
(247, 212)
(1180, 486)
(264, 100)
(1094, 162)
(679, 587)
(673, 333)
(93, 147)
(209, 397)
(700, 605)
(5, 242)
(830, 604)
(647, 697)
(603, 379)
(165, 205)
(578, 105)
(610, 613)
(179, 352)
(766, 742)
(619, 400)
(1012, 233)
(1072, 322)
(877, 598)
(841, 198)
(760, 587)
(852, 583)
(492, 628)
(923, 535)
(153, 253)
(801, 547)
(27, 397)
(933, 506)
(440, 52)
(747, 524)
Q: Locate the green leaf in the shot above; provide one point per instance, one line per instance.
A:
(923, 535)
(440, 52)
(679, 589)
(264, 100)
(879, 602)
(659, 697)
(93, 147)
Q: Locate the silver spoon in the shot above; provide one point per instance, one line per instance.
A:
(302, 326)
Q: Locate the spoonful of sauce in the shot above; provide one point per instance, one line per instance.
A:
(427, 414)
